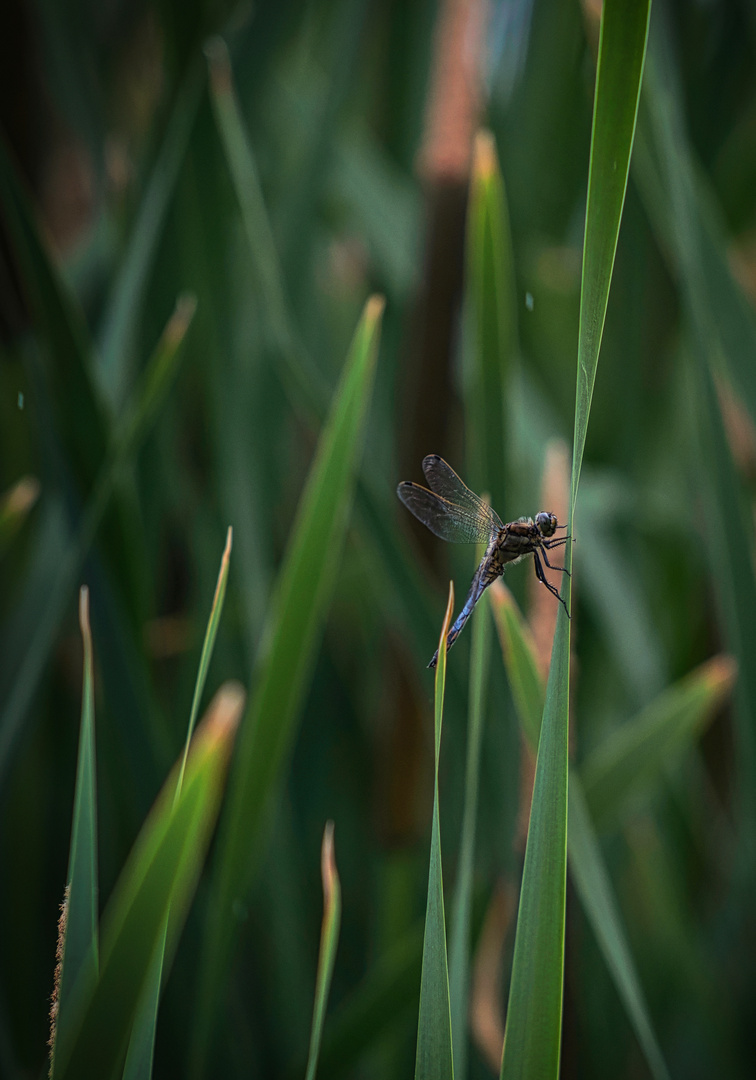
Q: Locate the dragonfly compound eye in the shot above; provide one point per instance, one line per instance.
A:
(546, 523)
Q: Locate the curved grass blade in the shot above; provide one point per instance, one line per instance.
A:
(635, 755)
(586, 863)
(329, 938)
(434, 1035)
(141, 1050)
(156, 884)
(80, 950)
(459, 946)
(148, 399)
(286, 659)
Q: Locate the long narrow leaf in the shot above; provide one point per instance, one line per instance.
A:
(158, 879)
(459, 946)
(434, 1059)
(287, 655)
(493, 321)
(142, 1040)
(586, 864)
(329, 937)
(534, 1017)
(80, 944)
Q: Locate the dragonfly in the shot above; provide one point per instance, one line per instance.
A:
(454, 513)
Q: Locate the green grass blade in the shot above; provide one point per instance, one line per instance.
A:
(141, 1049)
(287, 656)
(208, 645)
(586, 863)
(622, 50)
(159, 878)
(434, 1035)
(534, 1016)
(329, 937)
(124, 304)
(628, 762)
(142, 1040)
(459, 944)
(149, 397)
(80, 945)
(532, 1038)
(493, 321)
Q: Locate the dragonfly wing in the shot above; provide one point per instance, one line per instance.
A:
(445, 482)
(456, 524)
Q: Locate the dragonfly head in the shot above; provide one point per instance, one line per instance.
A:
(546, 523)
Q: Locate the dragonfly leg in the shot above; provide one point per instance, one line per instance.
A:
(561, 569)
(542, 578)
(558, 541)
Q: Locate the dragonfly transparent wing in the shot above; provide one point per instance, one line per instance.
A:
(448, 520)
(444, 481)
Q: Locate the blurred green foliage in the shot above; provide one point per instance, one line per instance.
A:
(119, 193)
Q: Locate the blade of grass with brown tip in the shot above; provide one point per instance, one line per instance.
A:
(329, 938)
(156, 884)
(434, 1034)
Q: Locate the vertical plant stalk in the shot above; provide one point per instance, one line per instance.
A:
(141, 1051)
(78, 947)
(434, 1035)
(532, 1044)
(459, 962)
